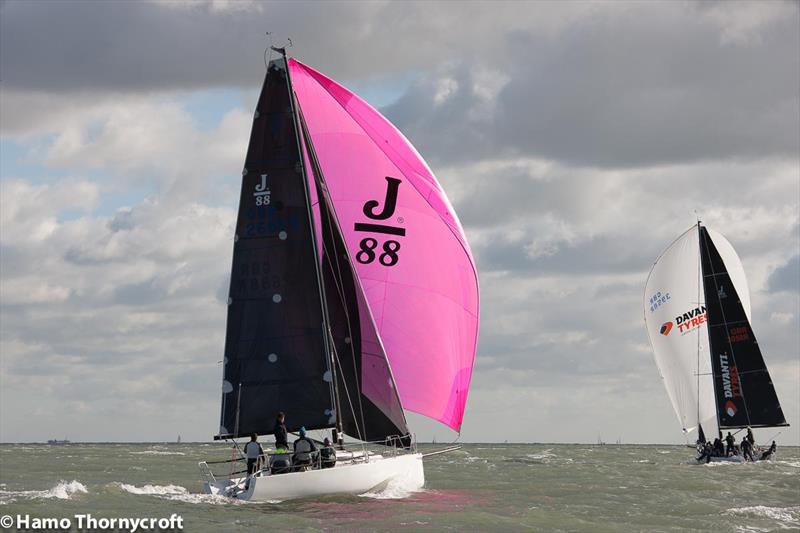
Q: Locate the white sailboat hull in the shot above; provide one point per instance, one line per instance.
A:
(352, 478)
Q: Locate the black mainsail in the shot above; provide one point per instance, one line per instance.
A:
(743, 387)
(276, 354)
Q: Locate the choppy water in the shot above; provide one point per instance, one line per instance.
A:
(483, 487)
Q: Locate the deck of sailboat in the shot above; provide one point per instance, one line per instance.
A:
(355, 472)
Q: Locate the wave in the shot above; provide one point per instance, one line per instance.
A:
(547, 454)
(63, 490)
(395, 489)
(157, 490)
(786, 515)
(174, 493)
(156, 452)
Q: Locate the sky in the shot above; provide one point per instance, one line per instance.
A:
(576, 140)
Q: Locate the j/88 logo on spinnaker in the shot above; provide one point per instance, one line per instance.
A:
(368, 247)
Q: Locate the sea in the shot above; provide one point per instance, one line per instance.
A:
(481, 487)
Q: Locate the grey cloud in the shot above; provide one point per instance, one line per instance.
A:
(123, 220)
(586, 85)
(786, 277)
(144, 293)
(619, 93)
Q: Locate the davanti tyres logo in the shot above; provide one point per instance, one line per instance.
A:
(666, 327)
(730, 408)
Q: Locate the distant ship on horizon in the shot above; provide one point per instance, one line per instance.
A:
(56, 441)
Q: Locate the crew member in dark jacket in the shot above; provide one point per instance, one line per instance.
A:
(281, 439)
(731, 449)
(327, 454)
(747, 449)
(304, 451)
(769, 453)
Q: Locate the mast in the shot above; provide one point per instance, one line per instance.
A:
(700, 434)
(320, 285)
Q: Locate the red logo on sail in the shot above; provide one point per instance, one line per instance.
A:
(730, 408)
(666, 327)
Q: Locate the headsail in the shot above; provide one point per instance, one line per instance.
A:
(745, 395)
(275, 354)
(409, 251)
(675, 315)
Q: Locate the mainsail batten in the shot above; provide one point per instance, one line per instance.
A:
(675, 319)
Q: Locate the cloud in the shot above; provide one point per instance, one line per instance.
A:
(617, 92)
(576, 140)
(786, 277)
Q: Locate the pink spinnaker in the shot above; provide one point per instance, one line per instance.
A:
(413, 261)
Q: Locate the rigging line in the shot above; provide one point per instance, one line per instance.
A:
(347, 316)
(295, 112)
(772, 438)
(328, 206)
(706, 237)
(238, 410)
(340, 291)
(346, 392)
(268, 49)
(299, 120)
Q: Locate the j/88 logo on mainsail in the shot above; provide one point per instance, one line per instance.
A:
(368, 247)
(262, 192)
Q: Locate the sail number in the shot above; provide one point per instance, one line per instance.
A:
(262, 192)
(367, 253)
(368, 246)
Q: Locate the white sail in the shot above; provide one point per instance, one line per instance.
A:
(674, 308)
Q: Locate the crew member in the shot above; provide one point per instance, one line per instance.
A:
(254, 453)
(719, 448)
(731, 449)
(769, 453)
(327, 454)
(747, 449)
(281, 440)
(303, 450)
(750, 437)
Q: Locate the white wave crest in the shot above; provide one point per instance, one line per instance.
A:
(63, 490)
(787, 515)
(154, 490)
(156, 452)
(395, 489)
(546, 454)
(174, 493)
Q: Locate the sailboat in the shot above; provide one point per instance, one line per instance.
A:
(353, 293)
(697, 314)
